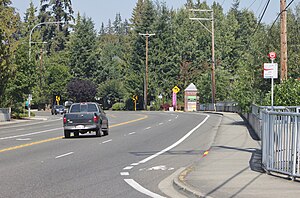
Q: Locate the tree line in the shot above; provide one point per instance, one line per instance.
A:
(73, 60)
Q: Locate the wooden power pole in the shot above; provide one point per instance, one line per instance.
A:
(283, 38)
(147, 35)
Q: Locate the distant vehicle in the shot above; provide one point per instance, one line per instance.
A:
(58, 109)
(83, 118)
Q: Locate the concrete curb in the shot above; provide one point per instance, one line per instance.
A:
(188, 190)
(179, 181)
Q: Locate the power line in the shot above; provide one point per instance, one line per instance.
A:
(251, 5)
(259, 7)
(264, 11)
(281, 13)
(222, 3)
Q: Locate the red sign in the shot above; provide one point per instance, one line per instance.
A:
(272, 55)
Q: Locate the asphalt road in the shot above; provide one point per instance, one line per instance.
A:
(141, 150)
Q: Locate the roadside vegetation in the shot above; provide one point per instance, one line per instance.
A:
(74, 60)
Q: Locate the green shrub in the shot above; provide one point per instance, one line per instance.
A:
(285, 94)
(119, 106)
(20, 115)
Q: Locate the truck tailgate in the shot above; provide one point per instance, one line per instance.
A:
(80, 118)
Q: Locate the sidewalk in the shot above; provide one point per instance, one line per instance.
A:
(232, 168)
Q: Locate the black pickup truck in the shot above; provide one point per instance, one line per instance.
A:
(83, 118)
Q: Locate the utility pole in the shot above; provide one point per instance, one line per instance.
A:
(147, 35)
(199, 19)
(283, 38)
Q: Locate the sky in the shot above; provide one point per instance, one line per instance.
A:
(103, 10)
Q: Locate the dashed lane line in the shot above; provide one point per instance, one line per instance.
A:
(128, 168)
(52, 139)
(64, 155)
(107, 141)
(145, 191)
(29, 124)
(28, 134)
(124, 173)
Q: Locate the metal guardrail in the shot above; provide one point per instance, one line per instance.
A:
(278, 128)
(257, 110)
(220, 106)
(281, 142)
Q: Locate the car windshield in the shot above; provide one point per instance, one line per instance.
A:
(59, 106)
(83, 108)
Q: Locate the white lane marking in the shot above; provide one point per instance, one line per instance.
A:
(20, 129)
(162, 167)
(131, 133)
(160, 123)
(107, 141)
(134, 164)
(176, 143)
(124, 173)
(23, 139)
(63, 155)
(47, 125)
(128, 168)
(170, 120)
(176, 117)
(21, 125)
(147, 128)
(28, 134)
(141, 189)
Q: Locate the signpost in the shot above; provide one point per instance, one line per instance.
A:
(135, 98)
(174, 97)
(29, 99)
(271, 71)
(57, 98)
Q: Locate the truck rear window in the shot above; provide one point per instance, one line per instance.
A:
(83, 108)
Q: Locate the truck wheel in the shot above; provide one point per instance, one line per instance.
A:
(76, 133)
(98, 132)
(105, 132)
(67, 134)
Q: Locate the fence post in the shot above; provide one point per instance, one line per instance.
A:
(295, 148)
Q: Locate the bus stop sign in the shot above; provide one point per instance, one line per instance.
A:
(272, 55)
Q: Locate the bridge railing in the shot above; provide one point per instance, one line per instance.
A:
(281, 142)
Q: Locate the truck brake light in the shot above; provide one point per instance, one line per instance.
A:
(96, 119)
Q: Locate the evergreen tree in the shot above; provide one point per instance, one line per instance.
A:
(117, 24)
(9, 27)
(58, 11)
(102, 30)
(83, 50)
(109, 28)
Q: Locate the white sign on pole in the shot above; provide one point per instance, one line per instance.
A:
(270, 70)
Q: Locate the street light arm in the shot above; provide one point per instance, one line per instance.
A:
(31, 31)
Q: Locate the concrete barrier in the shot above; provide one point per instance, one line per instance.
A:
(5, 114)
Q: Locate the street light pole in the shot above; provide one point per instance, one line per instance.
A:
(29, 51)
(199, 19)
(147, 35)
(30, 34)
(213, 59)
